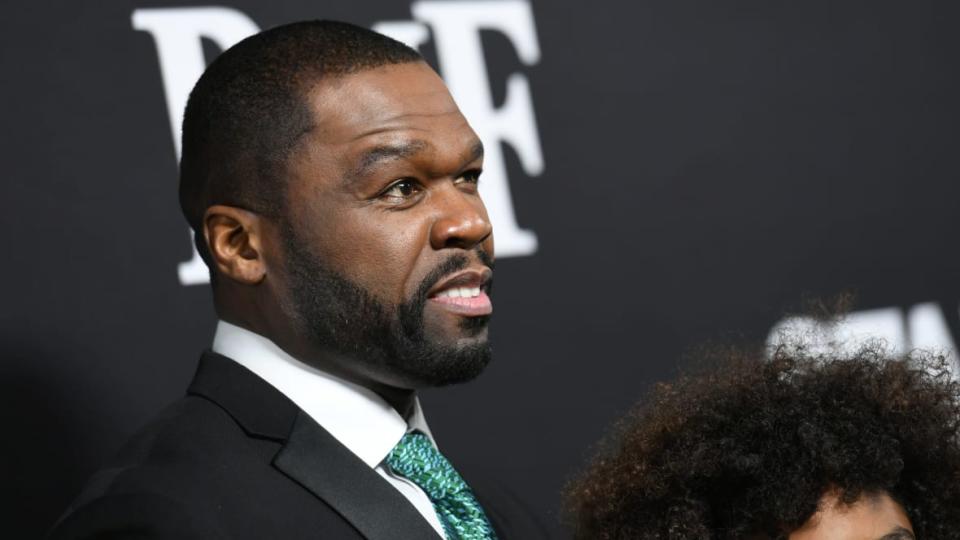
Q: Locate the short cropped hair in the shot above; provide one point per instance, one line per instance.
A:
(248, 111)
(748, 449)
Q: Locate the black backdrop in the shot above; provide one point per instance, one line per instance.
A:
(705, 165)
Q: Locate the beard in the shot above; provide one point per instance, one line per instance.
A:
(340, 316)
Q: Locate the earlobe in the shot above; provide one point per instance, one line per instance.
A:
(234, 238)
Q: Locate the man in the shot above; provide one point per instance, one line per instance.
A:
(331, 183)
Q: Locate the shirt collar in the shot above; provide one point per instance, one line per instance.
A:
(356, 416)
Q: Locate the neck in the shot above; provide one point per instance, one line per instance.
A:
(401, 399)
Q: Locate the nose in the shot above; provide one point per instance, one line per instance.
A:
(461, 220)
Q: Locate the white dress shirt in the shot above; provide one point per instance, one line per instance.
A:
(357, 417)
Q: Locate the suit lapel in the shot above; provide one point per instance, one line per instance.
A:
(310, 456)
(317, 461)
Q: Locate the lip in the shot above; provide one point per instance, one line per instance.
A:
(476, 306)
(471, 277)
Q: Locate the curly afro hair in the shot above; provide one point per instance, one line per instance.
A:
(747, 449)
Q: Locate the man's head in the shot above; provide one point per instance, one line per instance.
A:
(860, 447)
(332, 184)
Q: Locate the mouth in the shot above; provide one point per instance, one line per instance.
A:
(464, 293)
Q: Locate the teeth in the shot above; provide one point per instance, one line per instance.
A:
(461, 292)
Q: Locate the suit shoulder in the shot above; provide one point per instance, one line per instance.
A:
(136, 516)
(188, 433)
(190, 427)
(177, 465)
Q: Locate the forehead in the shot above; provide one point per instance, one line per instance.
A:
(402, 100)
(872, 517)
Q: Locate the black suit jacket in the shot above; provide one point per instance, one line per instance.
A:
(236, 459)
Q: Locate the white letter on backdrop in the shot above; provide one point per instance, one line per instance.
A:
(456, 31)
(177, 33)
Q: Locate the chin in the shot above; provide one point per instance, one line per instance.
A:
(445, 364)
(465, 331)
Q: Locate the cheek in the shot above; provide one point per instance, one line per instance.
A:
(379, 254)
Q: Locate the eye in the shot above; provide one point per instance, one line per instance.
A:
(470, 177)
(402, 190)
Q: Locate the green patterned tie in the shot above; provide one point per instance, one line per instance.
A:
(415, 458)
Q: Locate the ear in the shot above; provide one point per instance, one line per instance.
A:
(235, 240)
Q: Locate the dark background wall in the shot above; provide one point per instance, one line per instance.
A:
(706, 164)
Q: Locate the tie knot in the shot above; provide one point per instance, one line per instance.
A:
(415, 458)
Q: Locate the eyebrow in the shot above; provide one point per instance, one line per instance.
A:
(476, 151)
(386, 152)
(898, 534)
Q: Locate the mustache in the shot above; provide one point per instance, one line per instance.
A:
(447, 267)
(411, 312)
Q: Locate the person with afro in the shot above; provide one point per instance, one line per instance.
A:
(795, 446)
